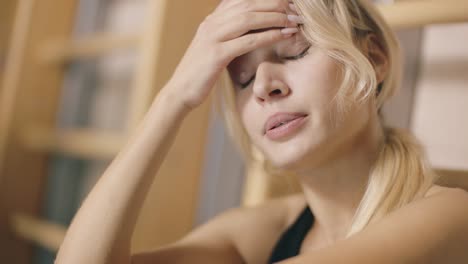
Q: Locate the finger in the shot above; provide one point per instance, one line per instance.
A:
(232, 28)
(287, 7)
(252, 41)
(265, 6)
(254, 6)
(222, 5)
(292, 7)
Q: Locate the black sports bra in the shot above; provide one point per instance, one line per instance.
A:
(290, 242)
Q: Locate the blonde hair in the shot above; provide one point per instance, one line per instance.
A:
(400, 173)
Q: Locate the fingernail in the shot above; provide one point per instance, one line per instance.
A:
(287, 31)
(292, 7)
(296, 19)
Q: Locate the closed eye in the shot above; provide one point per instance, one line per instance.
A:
(246, 84)
(300, 55)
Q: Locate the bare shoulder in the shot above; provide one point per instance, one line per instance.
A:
(430, 230)
(438, 189)
(433, 229)
(443, 217)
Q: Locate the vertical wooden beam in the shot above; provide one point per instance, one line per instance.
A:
(30, 94)
(11, 76)
(169, 210)
(6, 22)
(149, 62)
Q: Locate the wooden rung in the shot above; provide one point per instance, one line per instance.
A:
(47, 234)
(59, 51)
(453, 178)
(83, 143)
(418, 13)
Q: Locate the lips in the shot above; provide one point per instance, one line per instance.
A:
(279, 118)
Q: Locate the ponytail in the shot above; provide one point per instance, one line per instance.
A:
(399, 176)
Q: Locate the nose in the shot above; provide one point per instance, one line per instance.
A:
(268, 84)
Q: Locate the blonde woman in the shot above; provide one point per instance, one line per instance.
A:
(306, 82)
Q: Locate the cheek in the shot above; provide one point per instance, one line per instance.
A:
(321, 75)
(316, 83)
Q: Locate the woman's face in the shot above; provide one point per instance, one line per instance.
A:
(292, 76)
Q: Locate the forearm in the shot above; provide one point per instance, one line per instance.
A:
(102, 229)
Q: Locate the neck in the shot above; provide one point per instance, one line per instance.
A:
(334, 190)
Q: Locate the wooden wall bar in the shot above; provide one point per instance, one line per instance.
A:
(30, 92)
(6, 20)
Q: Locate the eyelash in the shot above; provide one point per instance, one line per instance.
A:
(297, 57)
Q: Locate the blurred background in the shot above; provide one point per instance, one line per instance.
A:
(77, 75)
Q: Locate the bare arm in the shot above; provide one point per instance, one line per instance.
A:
(105, 221)
(102, 229)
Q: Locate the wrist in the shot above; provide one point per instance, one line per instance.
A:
(171, 97)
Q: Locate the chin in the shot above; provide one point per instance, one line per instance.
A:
(294, 165)
(298, 156)
(292, 161)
